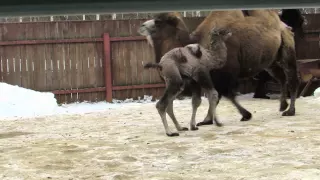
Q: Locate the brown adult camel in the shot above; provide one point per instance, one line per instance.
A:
(259, 42)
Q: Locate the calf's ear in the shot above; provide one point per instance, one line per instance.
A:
(198, 52)
(181, 57)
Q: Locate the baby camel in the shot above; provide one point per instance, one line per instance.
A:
(190, 67)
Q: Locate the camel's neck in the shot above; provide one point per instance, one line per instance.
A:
(163, 46)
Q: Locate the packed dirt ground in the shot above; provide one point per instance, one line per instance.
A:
(129, 142)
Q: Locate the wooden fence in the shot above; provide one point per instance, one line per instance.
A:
(79, 60)
(94, 60)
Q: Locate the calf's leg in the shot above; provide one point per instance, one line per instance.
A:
(172, 116)
(171, 91)
(196, 101)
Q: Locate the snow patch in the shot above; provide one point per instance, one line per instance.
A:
(17, 102)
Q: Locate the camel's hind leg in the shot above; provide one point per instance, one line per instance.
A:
(293, 84)
(172, 90)
(172, 116)
(289, 64)
(278, 73)
(246, 115)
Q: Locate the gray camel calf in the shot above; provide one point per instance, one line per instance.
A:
(190, 66)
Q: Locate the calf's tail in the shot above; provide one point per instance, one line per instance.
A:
(153, 65)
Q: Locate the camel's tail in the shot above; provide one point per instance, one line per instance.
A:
(153, 65)
(288, 52)
(288, 56)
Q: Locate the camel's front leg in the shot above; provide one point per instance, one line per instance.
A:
(196, 101)
(205, 81)
(213, 99)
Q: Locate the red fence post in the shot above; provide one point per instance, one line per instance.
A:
(107, 60)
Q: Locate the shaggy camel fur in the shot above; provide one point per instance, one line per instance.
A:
(294, 19)
(259, 42)
(190, 65)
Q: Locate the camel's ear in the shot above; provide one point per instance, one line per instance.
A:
(198, 52)
(181, 57)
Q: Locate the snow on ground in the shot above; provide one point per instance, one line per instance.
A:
(17, 102)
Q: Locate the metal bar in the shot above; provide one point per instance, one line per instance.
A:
(61, 41)
(145, 86)
(87, 90)
(58, 7)
(107, 59)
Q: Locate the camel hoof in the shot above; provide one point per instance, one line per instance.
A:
(289, 113)
(172, 134)
(246, 116)
(194, 128)
(219, 124)
(205, 122)
(244, 119)
(184, 129)
(283, 106)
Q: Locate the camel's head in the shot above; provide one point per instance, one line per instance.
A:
(165, 32)
(162, 27)
(218, 35)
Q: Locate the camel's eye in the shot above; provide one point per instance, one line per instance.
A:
(172, 21)
(157, 22)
